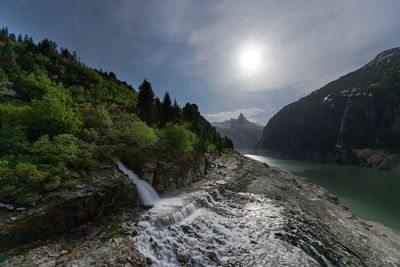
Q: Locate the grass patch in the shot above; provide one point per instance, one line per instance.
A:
(112, 231)
(67, 247)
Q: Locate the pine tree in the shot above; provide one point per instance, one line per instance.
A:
(158, 106)
(3, 34)
(167, 110)
(177, 112)
(191, 113)
(146, 105)
(47, 47)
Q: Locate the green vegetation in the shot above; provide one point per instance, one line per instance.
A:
(63, 119)
(113, 230)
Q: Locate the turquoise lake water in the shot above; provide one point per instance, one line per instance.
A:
(368, 193)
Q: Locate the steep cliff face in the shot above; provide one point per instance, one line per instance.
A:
(359, 111)
(169, 175)
(243, 133)
(108, 191)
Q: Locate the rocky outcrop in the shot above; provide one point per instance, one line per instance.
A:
(248, 214)
(169, 175)
(59, 214)
(106, 191)
(243, 133)
(359, 111)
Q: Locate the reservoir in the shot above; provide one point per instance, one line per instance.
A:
(369, 193)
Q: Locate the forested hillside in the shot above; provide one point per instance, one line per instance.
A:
(60, 118)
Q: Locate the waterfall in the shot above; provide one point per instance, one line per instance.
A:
(147, 194)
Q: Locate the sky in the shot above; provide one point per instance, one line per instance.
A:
(228, 57)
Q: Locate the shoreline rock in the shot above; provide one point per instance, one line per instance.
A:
(315, 223)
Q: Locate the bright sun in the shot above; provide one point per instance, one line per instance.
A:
(251, 59)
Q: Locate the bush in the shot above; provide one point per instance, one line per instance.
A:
(64, 149)
(176, 141)
(21, 184)
(13, 139)
(33, 85)
(53, 115)
(131, 137)
(15, 114)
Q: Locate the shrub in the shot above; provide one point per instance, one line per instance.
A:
(13, 139)
(53, 114)
(176, 141)
(63, 148)
(131, 137)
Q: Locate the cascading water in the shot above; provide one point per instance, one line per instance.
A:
(206, 228)
(148, 195)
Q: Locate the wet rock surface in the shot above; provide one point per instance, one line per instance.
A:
(243, 213)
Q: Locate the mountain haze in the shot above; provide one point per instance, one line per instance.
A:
(243, 133)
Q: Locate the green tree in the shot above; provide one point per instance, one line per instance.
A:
(13, 139)
(158, 107)
(53, 114)
(167, 110)
(130, 137)
(191, 113)
(3, 79)
(47, 47)
(176, 141)
(8, 59)
(146, 105)
(176, 112)
(63, 149)
(33, 85)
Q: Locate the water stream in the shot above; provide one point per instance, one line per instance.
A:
(147, 194)
(207, 228)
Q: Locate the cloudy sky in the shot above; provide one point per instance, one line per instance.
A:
(227, 56)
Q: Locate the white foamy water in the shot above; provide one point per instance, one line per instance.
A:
(147, 194)
(208, 229)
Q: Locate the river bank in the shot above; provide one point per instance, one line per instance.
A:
(369, 193)
(242, 212)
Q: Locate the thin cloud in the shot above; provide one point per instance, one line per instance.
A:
(250, 113)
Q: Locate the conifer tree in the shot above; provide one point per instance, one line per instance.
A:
(177, 112)
(146, 105)
(167, 110)
(158, 106)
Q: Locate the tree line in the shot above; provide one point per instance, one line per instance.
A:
(60, 119)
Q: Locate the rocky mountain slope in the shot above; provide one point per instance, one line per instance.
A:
(354, 120)
(243, 133)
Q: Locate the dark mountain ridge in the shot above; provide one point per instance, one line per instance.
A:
(353, 120)
(243, 133)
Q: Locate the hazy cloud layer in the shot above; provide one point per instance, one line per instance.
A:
(191, 48)
(250, 113)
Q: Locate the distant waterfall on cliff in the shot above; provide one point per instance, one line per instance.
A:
(148, 195)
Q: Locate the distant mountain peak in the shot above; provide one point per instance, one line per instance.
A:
(244, 133)
(242, 118)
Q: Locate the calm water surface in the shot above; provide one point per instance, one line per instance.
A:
(368, 193)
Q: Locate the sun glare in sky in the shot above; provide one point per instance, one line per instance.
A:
(251, 59)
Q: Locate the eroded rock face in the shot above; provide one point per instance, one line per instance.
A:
(169, 175)
(360, 110)
(108, 191)
(60, 214)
